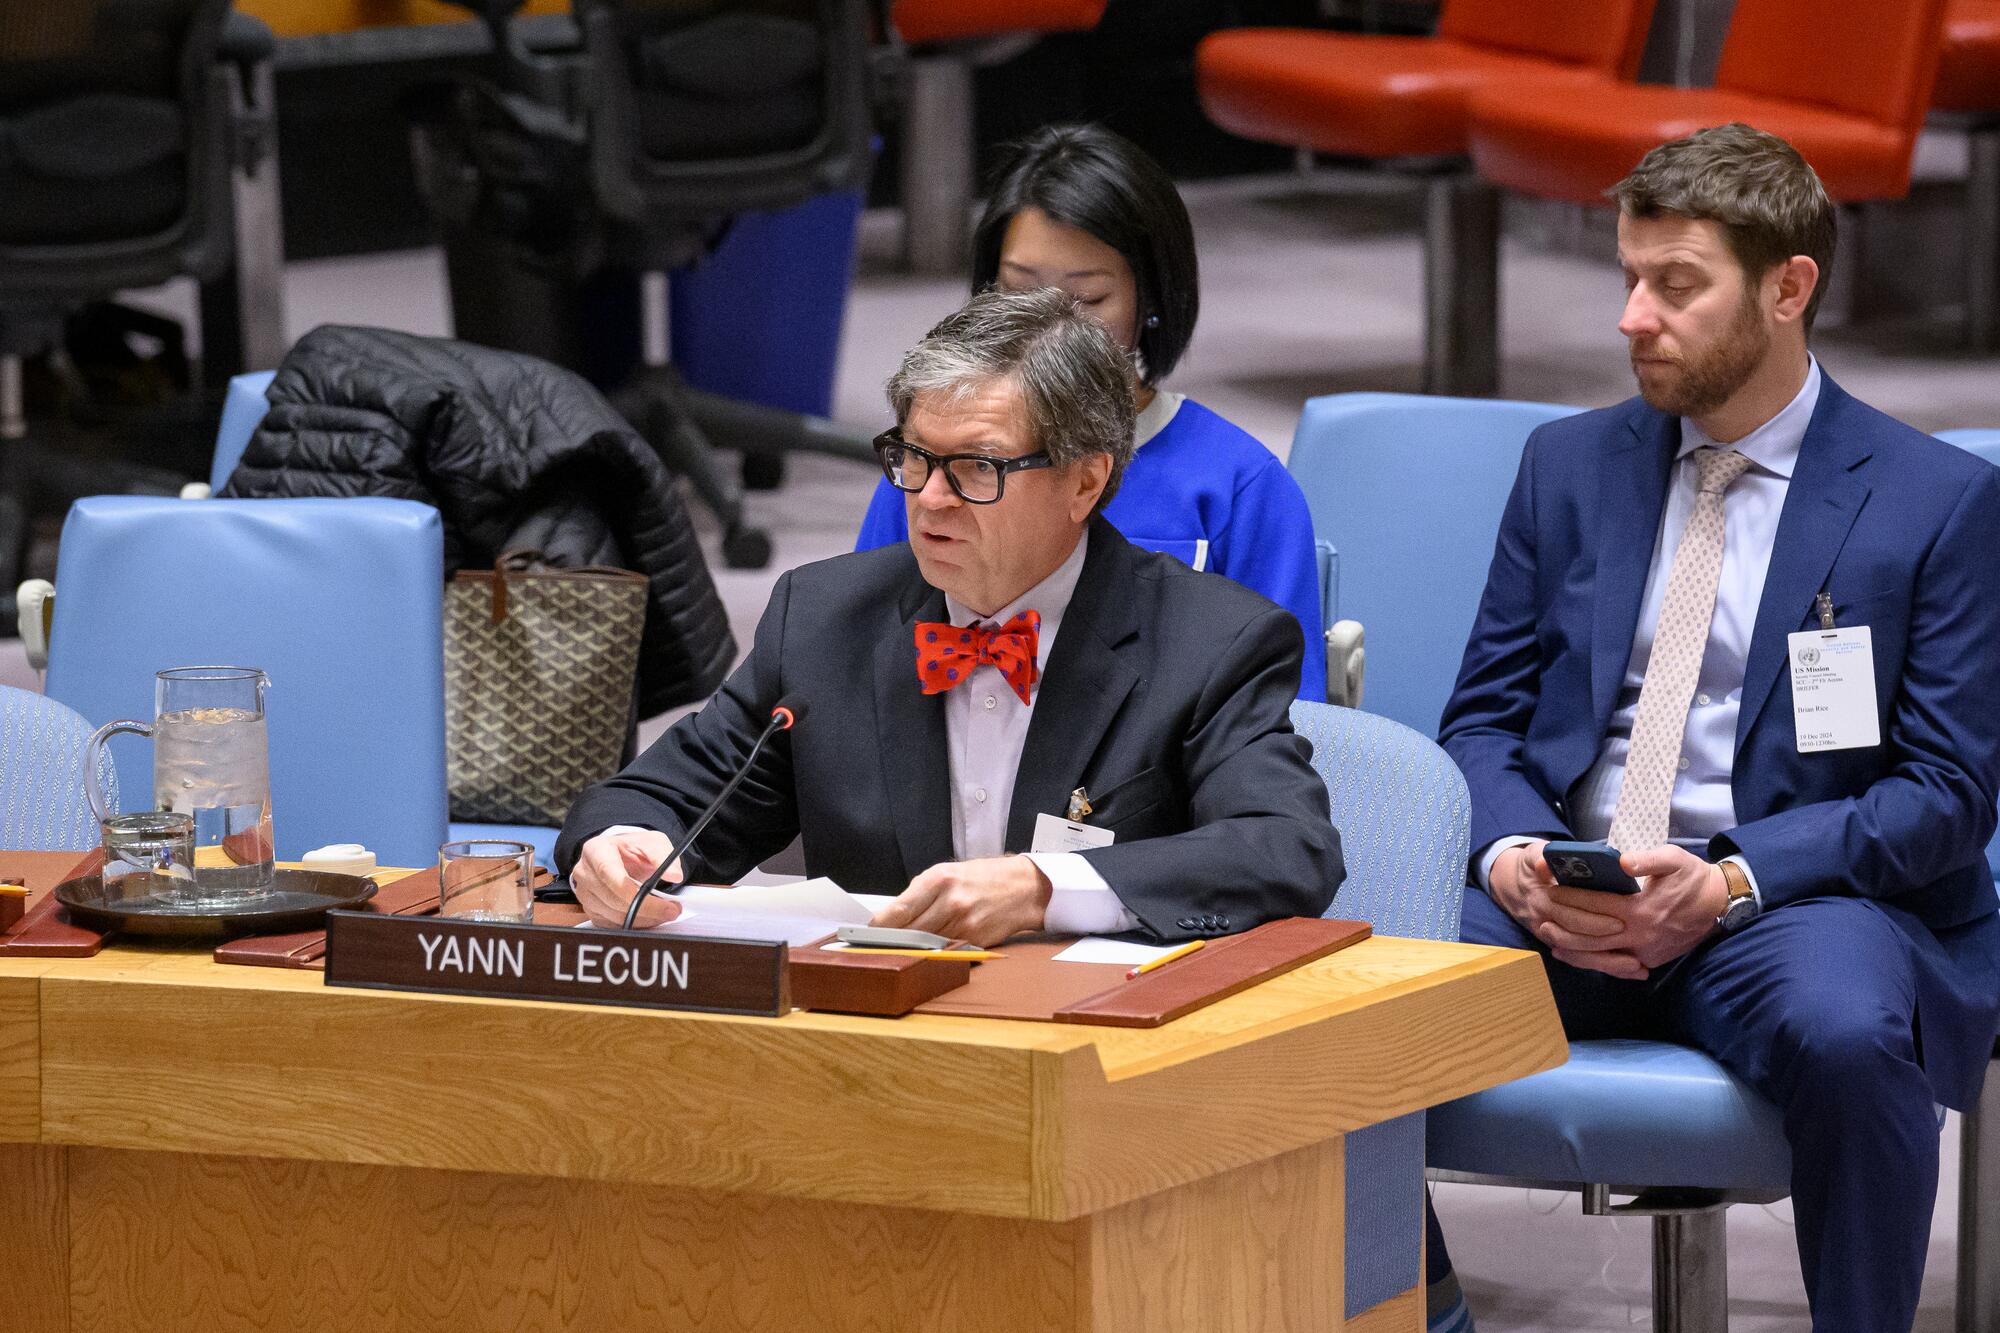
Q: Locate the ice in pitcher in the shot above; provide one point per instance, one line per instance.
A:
(214, 764)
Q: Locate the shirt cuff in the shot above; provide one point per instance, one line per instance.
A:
(1081, 902)
(1492, 854)
(1749, 874)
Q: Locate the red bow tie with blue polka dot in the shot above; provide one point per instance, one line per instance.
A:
(947, 655)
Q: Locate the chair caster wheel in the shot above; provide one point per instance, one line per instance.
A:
(746, 548)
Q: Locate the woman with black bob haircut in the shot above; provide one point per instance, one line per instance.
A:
(1082, 209)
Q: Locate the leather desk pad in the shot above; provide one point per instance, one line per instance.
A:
(1029, 984)
(44, 929)
(415, 894)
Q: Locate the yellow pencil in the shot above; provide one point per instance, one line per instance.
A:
(14, 890)
(1166, 958)
(975, 955)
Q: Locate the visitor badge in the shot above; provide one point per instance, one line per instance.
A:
(1833, 689)
(1066, 835)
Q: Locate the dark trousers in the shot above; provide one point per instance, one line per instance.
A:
(1815, 1006)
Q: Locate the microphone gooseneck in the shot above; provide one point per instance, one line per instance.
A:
(784, 716)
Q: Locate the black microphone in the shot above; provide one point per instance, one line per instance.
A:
(784, 716)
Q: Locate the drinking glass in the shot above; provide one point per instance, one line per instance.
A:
(150, 854)
(487, 881)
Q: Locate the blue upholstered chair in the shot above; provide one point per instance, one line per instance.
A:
(339, 601)
(42, 805)
(1404, 818)
(242, 410)
(1979, 1134)
(1406, 494)
(1985, 443)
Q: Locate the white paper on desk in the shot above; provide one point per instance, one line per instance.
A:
(796, 913)
(820, 899)
(720, 923)
(1097, 949)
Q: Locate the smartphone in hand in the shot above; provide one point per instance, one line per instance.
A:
(1588, 865)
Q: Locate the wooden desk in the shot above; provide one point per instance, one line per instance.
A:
(191, 1147)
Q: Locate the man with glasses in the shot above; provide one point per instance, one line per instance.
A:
(1015, 670)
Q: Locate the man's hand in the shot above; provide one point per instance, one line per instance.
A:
(1679, 899)
(610, 870)
(983, 902)
(1524, 888)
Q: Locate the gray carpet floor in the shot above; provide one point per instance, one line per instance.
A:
(1313, 288)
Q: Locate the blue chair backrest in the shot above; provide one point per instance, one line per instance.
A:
(1986, 444)
(241, 411)
(1404, 816)
(340, 602)
(1408, 491)
(42, 805)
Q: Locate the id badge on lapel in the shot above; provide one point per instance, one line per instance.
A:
(1068, 835)
(1833, 689)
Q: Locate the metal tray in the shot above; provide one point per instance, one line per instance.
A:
(299, 900)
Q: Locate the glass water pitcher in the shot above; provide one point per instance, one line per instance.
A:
(211, 759)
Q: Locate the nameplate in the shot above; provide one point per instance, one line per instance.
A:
(562, 963)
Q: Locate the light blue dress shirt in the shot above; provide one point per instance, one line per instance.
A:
(1703, 804)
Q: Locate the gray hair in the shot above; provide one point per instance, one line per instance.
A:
(1075, 382)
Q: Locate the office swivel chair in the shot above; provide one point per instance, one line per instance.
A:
(121, 122)
(572, 171)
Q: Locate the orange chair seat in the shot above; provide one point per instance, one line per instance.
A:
(1362, 96)
(1969, 61)
(923, 22)
(1579, 145)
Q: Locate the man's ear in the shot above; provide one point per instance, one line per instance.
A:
(1796, 280)
(1090, 476)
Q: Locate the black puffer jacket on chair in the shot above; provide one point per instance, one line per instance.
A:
(513, 452)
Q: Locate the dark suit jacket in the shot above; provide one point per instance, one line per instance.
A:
(1898, 528)
(1166, 695)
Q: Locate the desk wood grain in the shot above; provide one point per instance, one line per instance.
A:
(20, 1052)
(181, 1243)
(34, 1239)
(216, 1149)
(1045, 1121)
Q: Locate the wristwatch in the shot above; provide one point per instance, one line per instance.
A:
(1742, 906)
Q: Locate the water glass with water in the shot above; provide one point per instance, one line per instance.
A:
(485, 880)
(149, 855)
(211, 761)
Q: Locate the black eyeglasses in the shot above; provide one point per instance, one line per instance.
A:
(978, 479)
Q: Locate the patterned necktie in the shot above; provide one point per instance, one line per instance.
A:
(947, 655)
(1680, 639)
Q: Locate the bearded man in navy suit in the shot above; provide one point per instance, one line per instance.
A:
(1816, 911)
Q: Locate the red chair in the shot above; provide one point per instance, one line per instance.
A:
(955, 36)
(1404, 100)
(1846, 82)
(1968, 98)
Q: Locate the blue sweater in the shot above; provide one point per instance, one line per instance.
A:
(1200, 479)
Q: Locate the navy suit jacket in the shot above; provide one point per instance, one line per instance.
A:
(1167, 695)
(1901, 530)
